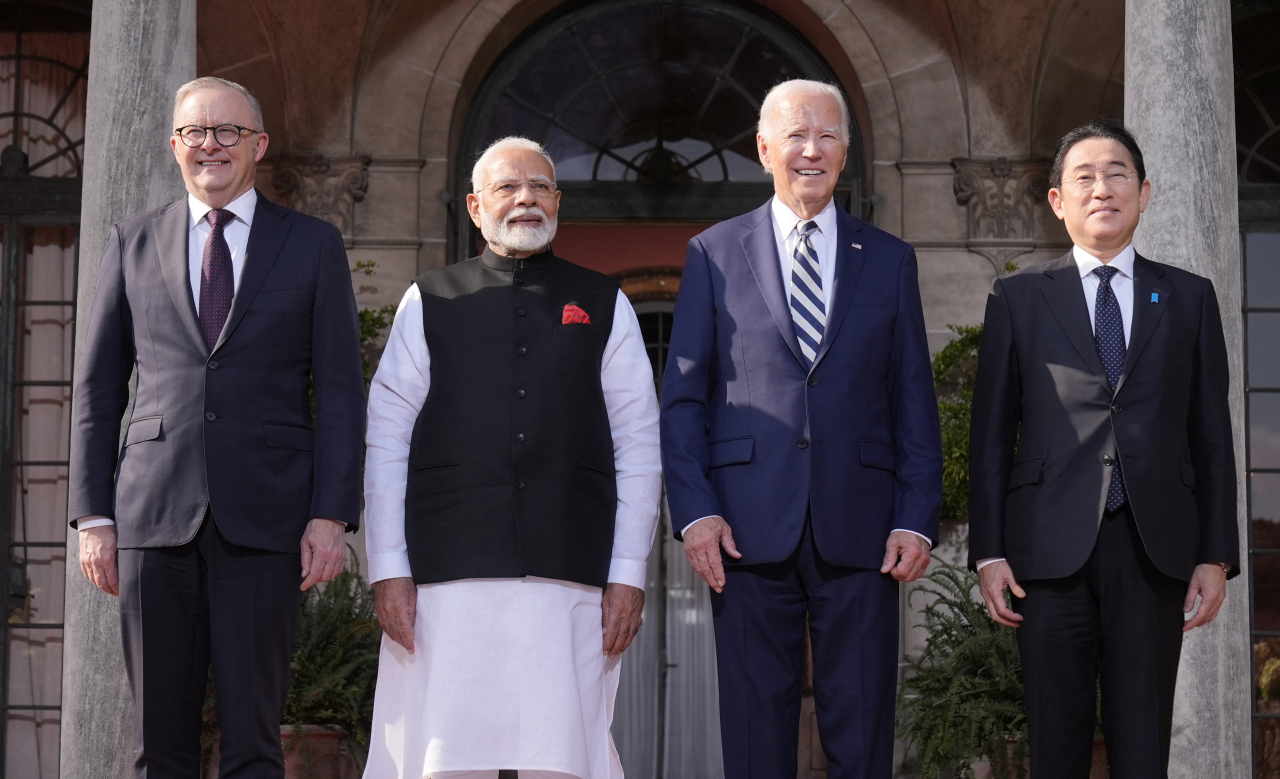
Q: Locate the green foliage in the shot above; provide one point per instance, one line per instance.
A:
(964, 699)
(335, 662)
(953, 371)
(373, 321)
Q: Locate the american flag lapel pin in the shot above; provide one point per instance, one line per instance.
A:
(857, 246)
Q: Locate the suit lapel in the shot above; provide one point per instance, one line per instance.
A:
(1146, 311)
(1065, 295)
(265, 239)
(849, 262)
(762, 255)
(170, 234)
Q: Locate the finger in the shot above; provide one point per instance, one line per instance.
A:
(1189, 602)
(611, 629)
(112, 577)
(406, 630)
(716, 569)
(1015, 589)
(312, 578)
(306, 558)
(726, 540)
(891, 550)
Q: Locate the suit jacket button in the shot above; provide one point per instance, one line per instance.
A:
(1116, 409)
(519, 485)
(1107, 460)
(209, 415)
(519, 312)
(213, 365)
(519, 393)
(519, 438)
(813, 381)
(522, 351)
(802, 443)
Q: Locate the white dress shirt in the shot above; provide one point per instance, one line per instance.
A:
(786, 232)
(1121, 286)
(237, 237)
(399, 391)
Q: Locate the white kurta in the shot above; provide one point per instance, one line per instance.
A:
(507, 673)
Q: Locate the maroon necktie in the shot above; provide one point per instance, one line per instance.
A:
(217, 280)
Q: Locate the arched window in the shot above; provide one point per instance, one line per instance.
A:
(649, 108)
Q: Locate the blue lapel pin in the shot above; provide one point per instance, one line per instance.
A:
(1155, 297)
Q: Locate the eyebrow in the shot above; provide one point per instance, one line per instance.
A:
(1086, 166)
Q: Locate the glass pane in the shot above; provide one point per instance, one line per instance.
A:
(1264, 507)
(40, 503)
(1268, 748)
(49, 263)
(1262, 266)
(42, 424)
(1266, 591)
(40, 573)
(45, 348)
(1264, 357)
(31, 751)
(35, 667)
(1264, 430)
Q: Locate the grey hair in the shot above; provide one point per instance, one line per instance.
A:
(213, 82)
(510, 142)
(787, 88)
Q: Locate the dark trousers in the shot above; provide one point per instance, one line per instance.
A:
(1117, 620)
(760, 624)
(206, 602)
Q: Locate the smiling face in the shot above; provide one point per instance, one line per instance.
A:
(803, 146)
(517, 204)
(214, 173)
(1100, 198)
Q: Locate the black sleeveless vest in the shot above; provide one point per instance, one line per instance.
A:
(511, 469)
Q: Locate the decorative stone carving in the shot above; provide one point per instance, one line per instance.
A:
(324, 187)
(1001, 195)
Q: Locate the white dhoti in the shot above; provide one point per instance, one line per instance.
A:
(506, 674)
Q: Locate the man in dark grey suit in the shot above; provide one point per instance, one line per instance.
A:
(230, 495)
(1103, 482)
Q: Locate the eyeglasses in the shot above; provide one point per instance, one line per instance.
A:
(224, 134)
(509, 189)
(1114, 178)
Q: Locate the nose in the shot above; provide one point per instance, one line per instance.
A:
(525, 196)
(210, 142)
(811, 150)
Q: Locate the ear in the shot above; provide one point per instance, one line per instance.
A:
(1144, 195)
(762, 148)
(1055, 202)
(473, 207)
(260, 142)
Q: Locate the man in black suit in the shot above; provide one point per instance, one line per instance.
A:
(1103, 483)
(229, 495)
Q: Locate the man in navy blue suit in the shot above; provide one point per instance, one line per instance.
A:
(800, 435)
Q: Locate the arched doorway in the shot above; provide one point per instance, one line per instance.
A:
(649, 108)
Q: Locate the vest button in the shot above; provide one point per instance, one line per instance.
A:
(802, 443)
(813, 381)
(519, 438)
(519, 312)
(522, 351)
(213, 365)
(1108, 460)
(519, 393)
(520, 281)
(209, 415)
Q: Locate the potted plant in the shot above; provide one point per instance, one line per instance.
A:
(963, 700)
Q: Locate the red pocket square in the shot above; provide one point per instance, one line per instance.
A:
(574, 316)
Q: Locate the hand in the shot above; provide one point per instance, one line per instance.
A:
(906, 556)
(98, 558)
(702, 545)
(620, 608)
(396, 601)
(324, 553)
(993, 579)
(1209, 582)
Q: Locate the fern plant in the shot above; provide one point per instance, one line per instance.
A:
(963, 698)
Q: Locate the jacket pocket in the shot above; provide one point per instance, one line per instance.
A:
(733, 451)
(1026, 472)
(144, 429)
(876, 455)
(1188, 474)
(612, 474)
(288, 437)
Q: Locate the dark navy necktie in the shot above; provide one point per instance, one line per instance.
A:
(217, 279)
(1108, 334)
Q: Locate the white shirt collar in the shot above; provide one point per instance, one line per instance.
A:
(242, 207)
(787, 219)
(1122, 262)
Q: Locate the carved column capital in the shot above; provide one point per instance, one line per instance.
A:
(324, 187)
(1001, 195)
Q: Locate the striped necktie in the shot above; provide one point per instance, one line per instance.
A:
(807, 309)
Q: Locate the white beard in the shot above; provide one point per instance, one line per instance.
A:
(505, 235)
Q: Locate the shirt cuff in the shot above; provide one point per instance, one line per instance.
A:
(632, 572)
(914, 533)
(984, 563)
(87, 524)
(694, 522)
(389, 565)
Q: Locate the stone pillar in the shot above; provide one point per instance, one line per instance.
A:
(1178, 99)
(140, 52)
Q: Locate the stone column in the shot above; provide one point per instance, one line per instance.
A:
(140, 52)
(1178, 99)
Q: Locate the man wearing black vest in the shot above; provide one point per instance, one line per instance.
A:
(511, 497)
(1102, 474)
